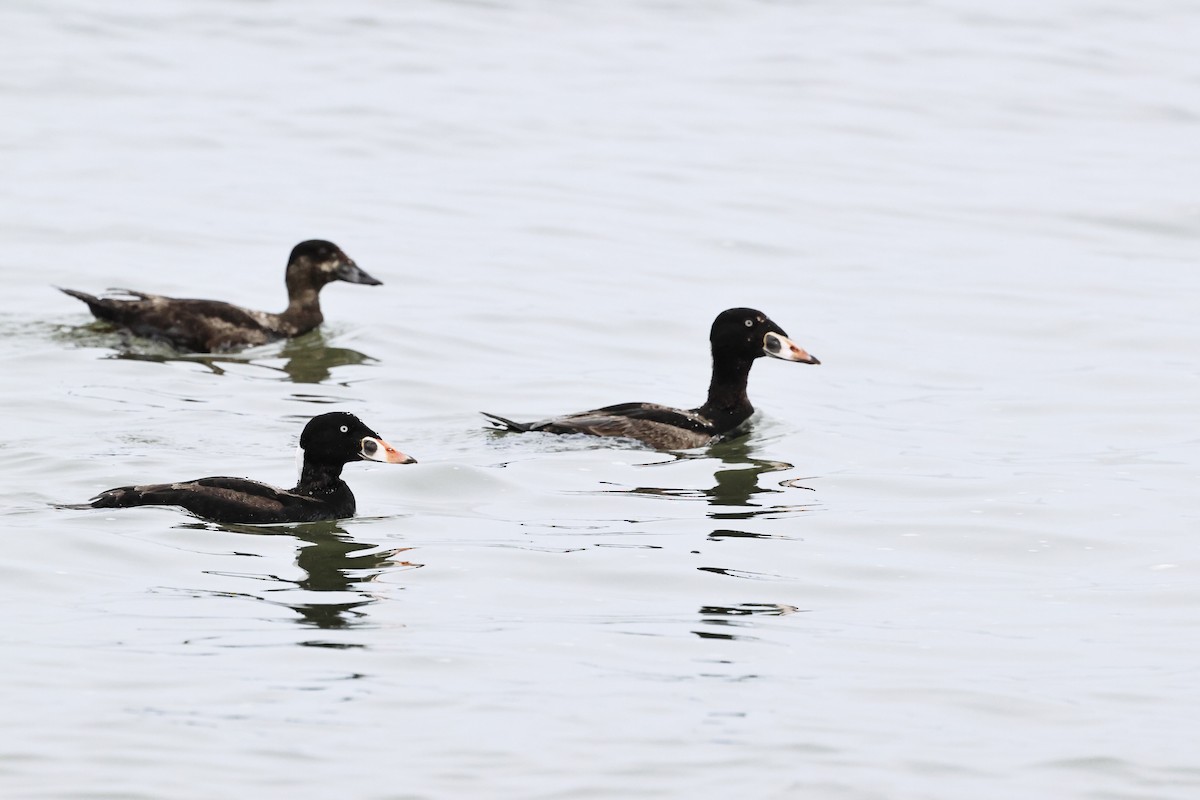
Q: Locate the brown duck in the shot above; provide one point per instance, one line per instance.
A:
(212, 326)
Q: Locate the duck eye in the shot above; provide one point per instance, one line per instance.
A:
(345, 429)
(749, 323)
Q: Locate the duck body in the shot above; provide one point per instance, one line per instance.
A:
(202, 326)
(329, 442)
(212, 326)
(738, 337)
(660, 427)
(236, 500)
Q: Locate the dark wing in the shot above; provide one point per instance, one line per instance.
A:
(662, 427)
(624, 414)
(218, 499)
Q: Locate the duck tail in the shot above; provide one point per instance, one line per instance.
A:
(90, 299)
(108, 308)
(507, 424)
(121, 497)
(99, 309)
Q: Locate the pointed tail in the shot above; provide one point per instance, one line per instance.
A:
(507, 424)
(91, 300)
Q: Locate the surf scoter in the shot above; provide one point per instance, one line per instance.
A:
(738, 336)
(329, 442)
(211, 326)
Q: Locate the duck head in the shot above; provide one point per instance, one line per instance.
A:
(318, 262)
(339, 438)
(746, 333)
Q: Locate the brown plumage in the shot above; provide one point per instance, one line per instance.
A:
(212, 326)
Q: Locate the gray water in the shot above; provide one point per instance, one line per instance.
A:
(958, 559)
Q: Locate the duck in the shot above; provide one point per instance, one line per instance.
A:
(328, 443)
(738, 337)
(213, 326)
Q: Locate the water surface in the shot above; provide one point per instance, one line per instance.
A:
(955, 560)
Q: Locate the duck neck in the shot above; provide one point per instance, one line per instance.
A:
(304, 308)
(318, 479)
(728, 405)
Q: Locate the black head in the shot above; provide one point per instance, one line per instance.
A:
(320, 262)
(744, 333)
(339, 438)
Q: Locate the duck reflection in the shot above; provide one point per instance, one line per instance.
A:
(334, 565)
(726, 533)
(306, 359)
(311, 360)
(737, 493)
(737, 486)
(731, 622)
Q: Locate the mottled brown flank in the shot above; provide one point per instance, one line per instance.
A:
(674, 429)
(207, 326)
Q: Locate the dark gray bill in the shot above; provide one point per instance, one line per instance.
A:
(350, 272)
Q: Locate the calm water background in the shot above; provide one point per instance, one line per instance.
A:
(958, 559)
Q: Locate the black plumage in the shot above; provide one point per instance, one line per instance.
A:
(738, 337)
(329, 442)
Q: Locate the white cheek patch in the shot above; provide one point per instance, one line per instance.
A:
(299, 462)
